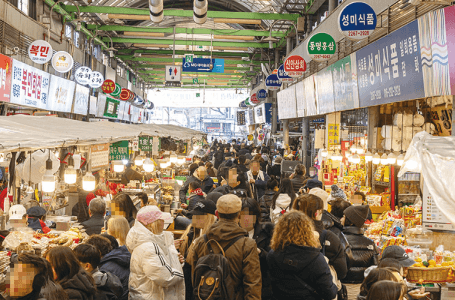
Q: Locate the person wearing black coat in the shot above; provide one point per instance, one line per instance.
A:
(191, 178)
(79, 287)
(267, 199)
(361, 252)
(298, 269)
(97, 209)
(117, 262)
(275, 169)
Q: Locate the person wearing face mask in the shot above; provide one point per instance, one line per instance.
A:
(250, 220)
(154, 248)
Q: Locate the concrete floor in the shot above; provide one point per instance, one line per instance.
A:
(353, 291)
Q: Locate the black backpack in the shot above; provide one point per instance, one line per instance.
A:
(212, 274)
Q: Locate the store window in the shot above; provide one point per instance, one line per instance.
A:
(23, 6)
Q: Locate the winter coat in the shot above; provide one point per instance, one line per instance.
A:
(332, 223)
(117, 262)
(227, 189)
(334, 250)
(283, 203)
(306, 263)
(361, 254)
(79, 287)
(156, 272)
(219, 157)
(262, 235)
(207, 184)
(94, 224)
(193, 199)
(242, 256)
(185, 186)
(297, 182)
(243, 151)
(80, 209)
(265, 203)
(108, 286)
(260, 184)
(275, 170)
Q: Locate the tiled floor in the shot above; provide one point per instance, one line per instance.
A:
(353, 291)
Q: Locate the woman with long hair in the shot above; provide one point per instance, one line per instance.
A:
(273, 186)
(123, 206)
(374, 276)
(297, 267)
(118, 227)
(76, 282)
(333, 249)
(387, 290)
(282, 201)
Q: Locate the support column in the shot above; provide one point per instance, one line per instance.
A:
(332, 5)
(286, 132)
(305, 137)
(288, 45)
(274, 97)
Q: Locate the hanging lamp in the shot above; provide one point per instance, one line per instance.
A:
(48, 183)
(118, 166)
(148, 165)
(88, 182)
(368, 156)
(376, 159)
(139, 161)
(70, 175)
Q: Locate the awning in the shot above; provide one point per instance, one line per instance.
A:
(28, 132)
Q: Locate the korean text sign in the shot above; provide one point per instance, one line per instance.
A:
(61, 93)
(344, 74)
(81, 97)
(29, 86)
(119, 150)
(145, 143)
(6, 70)
(357, 20)
(389, 70)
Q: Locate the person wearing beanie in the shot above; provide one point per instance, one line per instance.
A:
(337, 193)
(311, 184)
(362, 252)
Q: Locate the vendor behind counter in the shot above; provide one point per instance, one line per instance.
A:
(131, 174)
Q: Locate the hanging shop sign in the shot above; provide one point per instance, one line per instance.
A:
(96, 80)
(117, 91)
(6, 71)
(333, 134)
(125, 94)
(345, 91)
(261, 94)
(145, 143)
(29, 86)
(119, 150)
(263, 113)
(241, 120)
(294, 66)
(99, 156)
(389, 69)
(321, 47)
(324, 91)
(173, 73)
(81, 98)
(287, 105)
(82, 75)
(132, 96)
(204, 65)
(247, 102)
(61, 93)
(254, 99)
(111, 108)
(108, 86)
(357, 20)
(62, 62)
(275, 71)
(121, 110)
(93, 105)
(272, 82)
(40, 52)
(300, 99)
(283, 76)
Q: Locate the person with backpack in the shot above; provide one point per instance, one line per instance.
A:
(297, 267)
(282, 201)
(227, 246)
(273, 187)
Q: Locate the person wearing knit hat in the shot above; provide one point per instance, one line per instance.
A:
(337, 193)
(364, 253)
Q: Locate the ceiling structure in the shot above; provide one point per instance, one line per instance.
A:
(235, 30)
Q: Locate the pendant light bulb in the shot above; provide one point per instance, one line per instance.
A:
(392, 158)
(139, 160)
(376, 159)
(118, 166)
(88, 182)
(148, 165)
(355, 159)
(324, 153)
(48, 183)
(337, 156)
(368, 156)
(360, 150)
(353, 149)
(384, 159)
(400, 159)
(70, 175)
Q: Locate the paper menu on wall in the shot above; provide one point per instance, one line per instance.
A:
(432, 216)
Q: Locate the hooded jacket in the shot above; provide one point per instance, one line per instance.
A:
(283, 203)
(306, 263)
(79, 287)
(242, 256)
(108, 285)
(117, 262)
(360, 254)
(155, 270)
(266, 202)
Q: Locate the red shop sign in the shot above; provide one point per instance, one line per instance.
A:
(254, 99)
(275, 71)
(295, 65)
(108, 86)
(125, 94)
(6, 71)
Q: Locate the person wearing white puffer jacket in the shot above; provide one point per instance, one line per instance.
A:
(282, 201)
(156, 266)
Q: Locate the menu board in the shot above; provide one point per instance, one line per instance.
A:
(300, 99)
(29, 85)
(324, 91)
(432, 216)
(99, 156)
(287, 106)
(81, 97)
(61, 93)
(6, 70)
(345, 91)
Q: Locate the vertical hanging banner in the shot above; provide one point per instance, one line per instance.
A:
(81, 97)
(357, 20)
(272, 82)
(6, 71)
(283, 76)
(324, 91)
(300, 99)
(295, 66)
(310, 98)
(29, 86)
(389, 70)
(287, 105)
(345, 91)
(321, 47)
(61, 93)
(111, 108)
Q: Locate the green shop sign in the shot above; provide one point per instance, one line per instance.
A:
(119, 150)
(111, 108)
(321, 47)
(146, 143)
(117, 91)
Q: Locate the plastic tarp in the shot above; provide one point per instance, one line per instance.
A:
(434, 158)
(26, 132)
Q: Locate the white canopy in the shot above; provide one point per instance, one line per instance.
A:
(28, 132)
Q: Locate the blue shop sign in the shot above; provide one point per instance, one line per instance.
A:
(357, 20)
(203, 65)
(272, 82)
(283, 76)
(261, 94)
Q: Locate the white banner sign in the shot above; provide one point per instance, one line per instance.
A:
(81, 97)
(29, 86)
(61, 93)
(100, 105)
(93, 101)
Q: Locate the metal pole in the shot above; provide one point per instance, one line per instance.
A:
(305, 136)
(332, 5)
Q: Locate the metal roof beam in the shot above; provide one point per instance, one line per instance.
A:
(171, 60)
(187, 42)
(182, 52)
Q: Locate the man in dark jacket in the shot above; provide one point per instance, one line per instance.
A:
(96, 209)
(108, 285)
(191, 178)
(241, 164)
(361, 252)
(298, 177)
(275, 170)
(243, 150)
(242, 255)
(80, 209)
(267, 199)
(235, 182)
